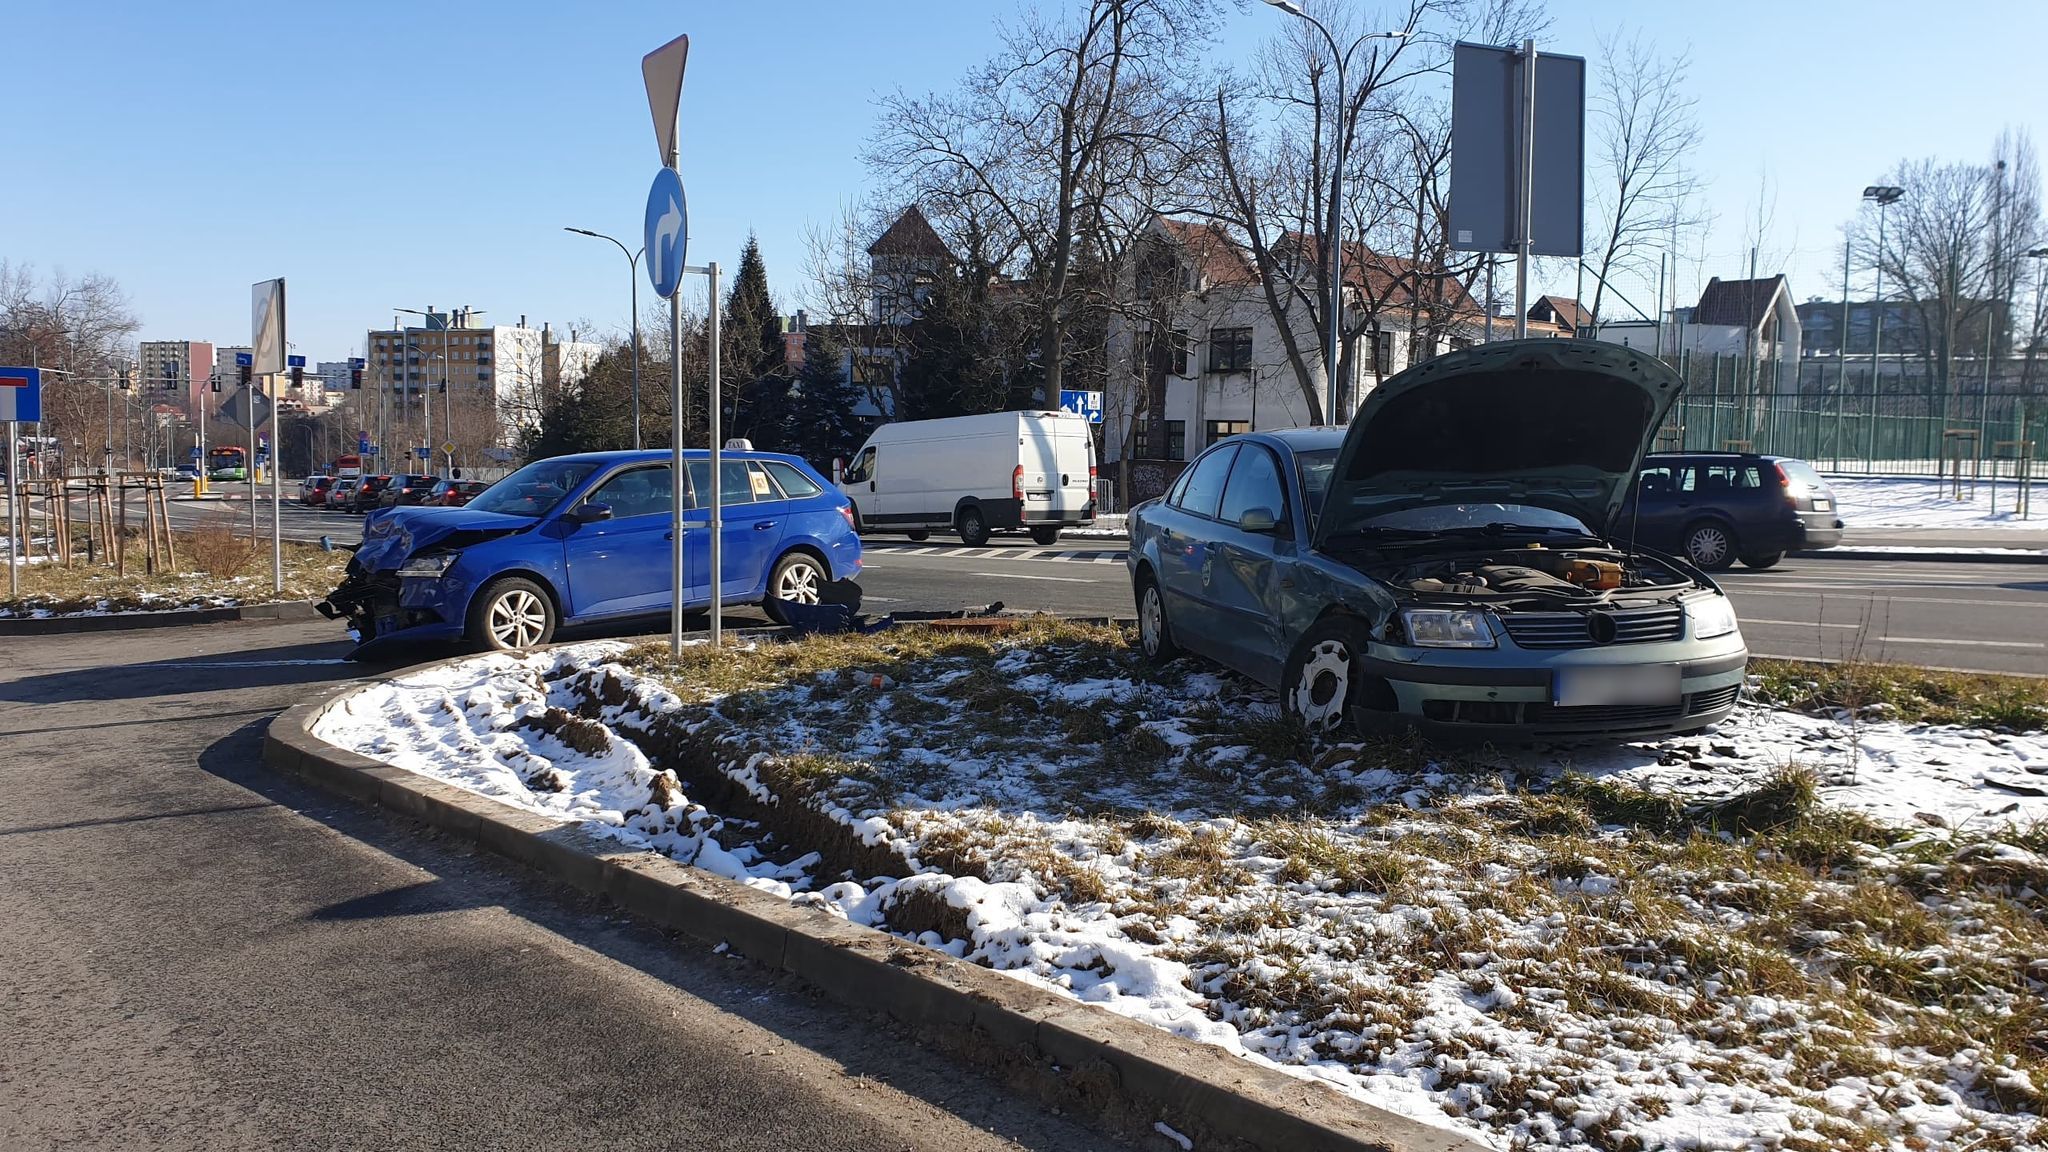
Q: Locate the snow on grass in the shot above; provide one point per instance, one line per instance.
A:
(1795, 932)
(1897, 502)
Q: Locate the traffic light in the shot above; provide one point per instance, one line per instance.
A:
(213, 380)
(242, 372)
(298, 377)
(170, 376)
(355, 378)
(124, 379)
(443, 389)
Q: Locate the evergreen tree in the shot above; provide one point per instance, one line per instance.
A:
(754, 376)
(595, 414)
(956, 366)
(822, 424)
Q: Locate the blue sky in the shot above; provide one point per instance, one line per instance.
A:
(381, 156)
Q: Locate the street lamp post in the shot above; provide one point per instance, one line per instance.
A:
(1336, 218)
(633, 282)
(1884, 196)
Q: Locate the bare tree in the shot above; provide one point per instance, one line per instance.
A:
(82, 329)
(1937, 256)
(1040, 143)
(1644, 126)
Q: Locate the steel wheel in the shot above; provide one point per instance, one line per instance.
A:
(798, 579)
(1709, 546)
(1322, 688)
(1153, 638)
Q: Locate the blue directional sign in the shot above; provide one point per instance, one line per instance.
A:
(245, 359)
(1087, 404)
(357, 362)
(363, 444)
(195, 452)
(295, 361)
(170, 369)
(667, 232)
(21, 395)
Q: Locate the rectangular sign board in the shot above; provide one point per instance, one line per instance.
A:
(266, 326)
(21, 395)
(1088, 404)
(1486, 149)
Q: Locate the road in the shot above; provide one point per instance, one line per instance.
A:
(204, 954)
(1988, 617)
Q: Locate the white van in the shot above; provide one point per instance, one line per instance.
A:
(975, 475)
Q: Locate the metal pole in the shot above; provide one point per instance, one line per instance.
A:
(633, 279)
(276, 495)
(249, 462)
(1490, 309)
(675, 453)
(1336, 305)
(13, 531)
(1524, 210)
(1877, 323)
(447, 410)
(717, 496)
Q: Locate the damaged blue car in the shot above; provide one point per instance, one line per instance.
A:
(587, 539)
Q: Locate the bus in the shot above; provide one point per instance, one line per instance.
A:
(349, 467)
(227, 462)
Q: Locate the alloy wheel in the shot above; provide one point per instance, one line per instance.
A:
(1707, 547)
(798, 582)
(518, 619)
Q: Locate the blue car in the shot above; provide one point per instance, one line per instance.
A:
(1454, 562)
(587, 539)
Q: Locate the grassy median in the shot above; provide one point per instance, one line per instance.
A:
(214, 568)
(1902, 692)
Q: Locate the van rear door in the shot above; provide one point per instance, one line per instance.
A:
(1038, 466)
(1077, 471)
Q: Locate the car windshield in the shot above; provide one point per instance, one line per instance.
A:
(534, 489)
(1315, 479)
(1436, 518)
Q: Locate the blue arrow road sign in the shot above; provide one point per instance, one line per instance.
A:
(357, 362)
(21, 395)
(295, 361)
(667, 232)
(363, 444)
(1087, 404)
(245, 359)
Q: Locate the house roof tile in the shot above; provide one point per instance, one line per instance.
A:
(1740, 303)
(910, 235)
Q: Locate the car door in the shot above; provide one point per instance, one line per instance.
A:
(859, 484)
(1652, 518)
(1244, 584)
(1188, 553)
(753, 515)
(620, 566)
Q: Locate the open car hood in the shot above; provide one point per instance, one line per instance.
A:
(392, 535)
(1557, 424)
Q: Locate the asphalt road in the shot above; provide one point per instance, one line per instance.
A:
(203, 954)
(1990, 617)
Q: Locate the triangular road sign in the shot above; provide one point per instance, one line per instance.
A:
(234, 410)
(662, 70)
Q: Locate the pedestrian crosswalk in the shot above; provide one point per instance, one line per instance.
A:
(941, 551)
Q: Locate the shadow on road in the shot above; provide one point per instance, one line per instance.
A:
(465, 878)
(315, 663)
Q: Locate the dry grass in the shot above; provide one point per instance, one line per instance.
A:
(1905, 693)
(214, 566)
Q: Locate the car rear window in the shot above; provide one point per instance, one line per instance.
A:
(792, 479)
(1802, 474)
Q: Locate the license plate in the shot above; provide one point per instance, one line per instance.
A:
(1823, 505)
(1038, 497)
(1634, 684)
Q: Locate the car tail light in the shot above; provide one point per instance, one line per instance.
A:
(1785, 484)
(1017, 484)
(1091, 482)
(846, 514)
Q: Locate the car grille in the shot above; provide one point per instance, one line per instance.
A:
(1605, 715)
(1713, 700)
(1574, 629)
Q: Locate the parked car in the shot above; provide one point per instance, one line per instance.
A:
(313, 490)
(188, 472)
(343, 494)
(580, 539)
(454, 493)
(1716, 507)
(370, 493)
(410, 489)
(975, 475)
(1447, 562)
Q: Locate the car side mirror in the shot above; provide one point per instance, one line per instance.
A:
(592, 512)
(1260, 520)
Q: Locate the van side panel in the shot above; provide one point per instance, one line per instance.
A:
(926, 469)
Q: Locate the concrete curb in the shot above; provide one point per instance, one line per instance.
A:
(2017, 556)
(119, 621)
(1122, 1074)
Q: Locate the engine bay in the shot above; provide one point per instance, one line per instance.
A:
(1534, 573)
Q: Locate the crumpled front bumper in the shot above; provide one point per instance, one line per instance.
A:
(388, 611)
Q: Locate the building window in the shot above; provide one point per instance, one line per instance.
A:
(1224, 429)
(1174, 354)
(1382, 352)
(1230, 349)
(1177, 352)
(1176, 440)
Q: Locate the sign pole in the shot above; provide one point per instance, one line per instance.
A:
(276, 496)
(13, 533)
(675, 453)
(717, 477)
(1525, 190)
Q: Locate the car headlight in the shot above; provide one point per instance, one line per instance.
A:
(1711, 616)
(431, 565)
(1447, 628)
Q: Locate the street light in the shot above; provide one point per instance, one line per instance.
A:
(1884, 196)
(633, 283)
(1336, 304)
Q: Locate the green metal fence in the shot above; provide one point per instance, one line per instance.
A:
(1902, 426)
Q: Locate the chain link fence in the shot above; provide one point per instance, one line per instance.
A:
(1836, 418)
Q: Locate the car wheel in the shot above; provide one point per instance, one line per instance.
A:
(1320, 684)
(1045, 536)
(973, 529)
(1767, 560)
(1710, 546)
(511, 614)
(798, 577)
(919, 534)
(1155, 635)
